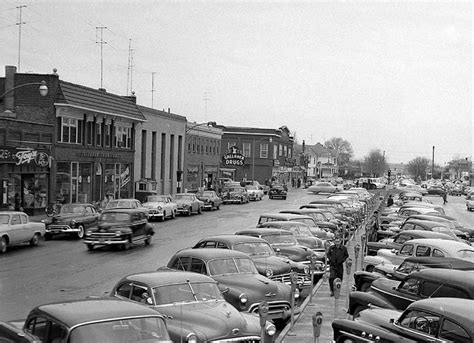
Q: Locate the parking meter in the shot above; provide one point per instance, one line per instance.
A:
(325, 277)
(317, 323)
(294, 281)
(348, 266)
(337, 288)
(356, 251)
(363, 241)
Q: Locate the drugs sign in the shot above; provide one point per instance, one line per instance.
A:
(234, 157)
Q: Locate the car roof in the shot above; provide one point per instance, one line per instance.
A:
(451, 276)
(232, 239)
(283, 223)
(77, 312)
(426, 234)
(264, 232)
(442, 243)
(122, 210)
(285, 216)
(455, 308)
(428, 223)
(167, 277)
(442, 262)
(207, 254)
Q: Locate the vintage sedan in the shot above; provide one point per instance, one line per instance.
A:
(363, 279)
(73, 219)
(120, 227)
(424, 321)
(255, 192)
(421, 247)
(427, 283)
(160, 207)
(322, 187)
(470, 202)
(104, 320)
(235, 195)
(210, 198)
(285, 244)
(239, 281)
(125, 203)
(16, 228)
(267, 262)
(188, 203)
(193, 305)
(397, 240)
(277, 192)
(436, 190)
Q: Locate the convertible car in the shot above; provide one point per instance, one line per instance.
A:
(424, 321)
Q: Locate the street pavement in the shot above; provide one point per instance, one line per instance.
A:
(302, 329)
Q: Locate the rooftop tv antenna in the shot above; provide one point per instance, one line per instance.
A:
(152, 87)
(101, 42)
(19, 23)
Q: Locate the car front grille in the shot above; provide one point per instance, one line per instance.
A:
(275, 307)
(303, 279)
(105, 236)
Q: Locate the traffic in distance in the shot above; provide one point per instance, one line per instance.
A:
(250, 274)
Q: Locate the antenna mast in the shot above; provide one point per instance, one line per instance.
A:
(206, 99)
(152, 87)
(19, 23)
(128, 65)
(101, 28)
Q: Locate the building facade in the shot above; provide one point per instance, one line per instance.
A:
(159, 153)
(322, 162)
(202, 156)
(267, 154)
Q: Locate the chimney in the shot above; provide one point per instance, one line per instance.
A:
(103, 90)
(169, 110)
(132, 97)
(8, 99)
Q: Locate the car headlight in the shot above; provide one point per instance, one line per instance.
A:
(185, 205)
(306, 270)
(269, 273)
(243, 298)
(191, 338)
(270, 329)
(159, 208)
(118, 233)
(73, 222)
(88, 232)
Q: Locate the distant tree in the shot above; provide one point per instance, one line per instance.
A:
(342, 148)
(417, 168)
(374, 164)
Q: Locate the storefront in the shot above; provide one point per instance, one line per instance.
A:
(25, 179)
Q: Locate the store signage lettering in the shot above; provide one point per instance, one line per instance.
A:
(234, 157)
(24, 156)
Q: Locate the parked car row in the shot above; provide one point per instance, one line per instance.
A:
(417, 284)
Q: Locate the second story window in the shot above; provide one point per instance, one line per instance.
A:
(70, 130)
(122, 136)
(247, 150)
(230, 145)
(280, 150)
(98, 134)
(108, 134)
(264, 150)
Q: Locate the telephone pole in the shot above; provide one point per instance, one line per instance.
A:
(101, 42)
(19, 23)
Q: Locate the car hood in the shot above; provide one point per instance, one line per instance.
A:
(384, 284)
(63, 218)
(276, 264)
(297, 253)
(210, 320)
(383, 245)
(256, 286)
(182, 201)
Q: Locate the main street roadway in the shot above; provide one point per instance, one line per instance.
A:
(63, 268)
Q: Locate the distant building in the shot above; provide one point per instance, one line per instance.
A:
(322, 162)
(267, 154)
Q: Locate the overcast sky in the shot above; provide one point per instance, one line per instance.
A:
(393, 76)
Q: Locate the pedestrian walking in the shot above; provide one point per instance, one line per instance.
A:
(445, 197)
(337, 254)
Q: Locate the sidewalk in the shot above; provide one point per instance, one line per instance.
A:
(302, 330)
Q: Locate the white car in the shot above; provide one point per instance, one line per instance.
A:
(255, 192)
(16, 228)
(160, 207)
(421, 247)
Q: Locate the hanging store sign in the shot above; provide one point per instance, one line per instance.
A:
(233, 157)
(24, 156)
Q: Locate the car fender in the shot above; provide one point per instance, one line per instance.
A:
(362, 277)
(374, 260)
(366, 300)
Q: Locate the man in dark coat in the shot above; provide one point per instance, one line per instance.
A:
(390, 200)
(337, 254)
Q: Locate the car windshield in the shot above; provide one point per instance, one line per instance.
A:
(207, 194)
(232, 266)
(281, 239)
(71, 208)
(255, 248)
(4, 218)
(156, 198)
(186, 292)
(115, 217)
(149, 329)
(183, 197)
